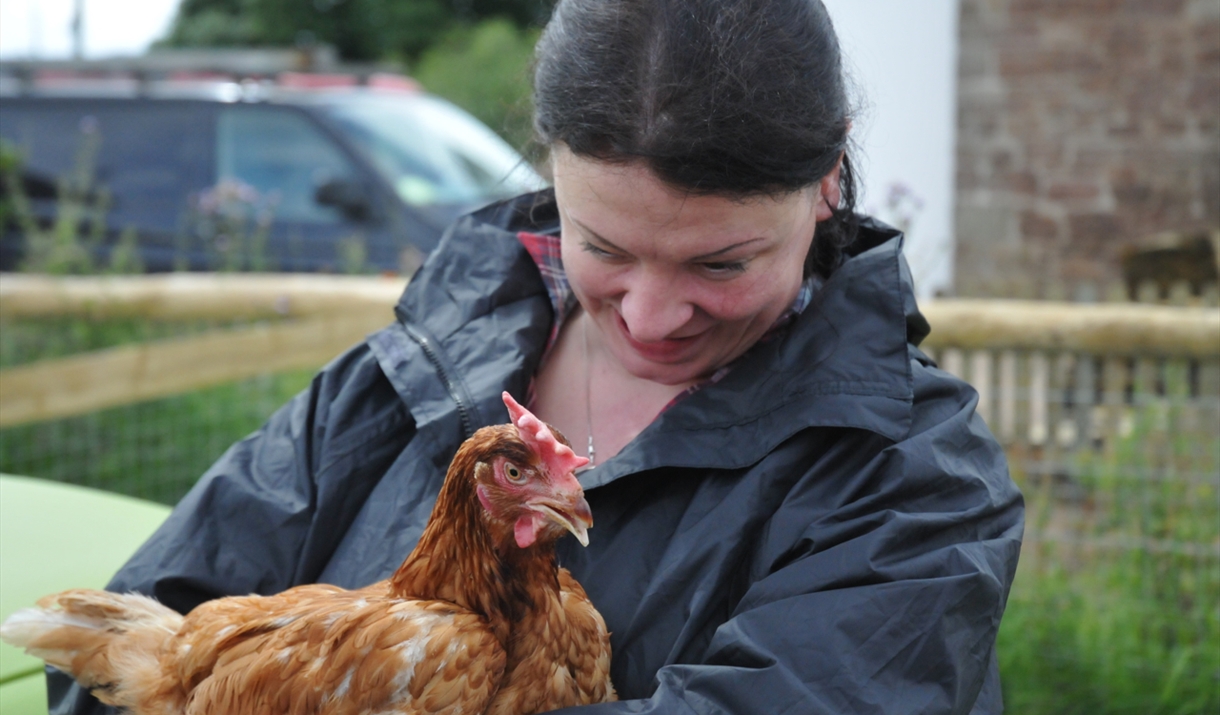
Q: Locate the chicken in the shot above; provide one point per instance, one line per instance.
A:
(478, 619)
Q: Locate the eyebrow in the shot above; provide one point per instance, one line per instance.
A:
(702, 257)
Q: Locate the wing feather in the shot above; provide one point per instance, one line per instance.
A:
(317, 650)
(588, 653)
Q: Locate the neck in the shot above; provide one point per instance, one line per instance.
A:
(618, 405)
(458, 559)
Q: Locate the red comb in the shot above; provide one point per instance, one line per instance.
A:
(559, 457)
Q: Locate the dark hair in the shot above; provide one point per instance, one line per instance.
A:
(732, 97)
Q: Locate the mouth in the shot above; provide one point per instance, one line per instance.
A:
(578, 523)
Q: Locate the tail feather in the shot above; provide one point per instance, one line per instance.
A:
(108, 642)
(51, 636)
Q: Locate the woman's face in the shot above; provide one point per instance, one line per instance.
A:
(679, 285)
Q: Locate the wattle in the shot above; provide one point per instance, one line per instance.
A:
(525, 530)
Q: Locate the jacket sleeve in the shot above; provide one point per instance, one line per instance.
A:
(878, 586)
(264, 517)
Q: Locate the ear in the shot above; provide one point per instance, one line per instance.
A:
(830, 195)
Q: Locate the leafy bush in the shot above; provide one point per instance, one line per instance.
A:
(362, 30)
(484, 69)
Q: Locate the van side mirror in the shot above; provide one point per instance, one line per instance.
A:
(346, 195)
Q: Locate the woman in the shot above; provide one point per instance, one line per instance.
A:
(796, 511)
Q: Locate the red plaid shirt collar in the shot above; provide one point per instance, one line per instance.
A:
(544, 249)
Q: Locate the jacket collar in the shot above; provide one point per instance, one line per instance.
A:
(844, 362)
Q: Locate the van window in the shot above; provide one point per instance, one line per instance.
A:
(431, 152)
(283, 157)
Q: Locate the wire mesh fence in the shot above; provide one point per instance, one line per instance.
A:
(154, 450)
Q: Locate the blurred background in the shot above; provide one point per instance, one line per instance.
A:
(235, 190)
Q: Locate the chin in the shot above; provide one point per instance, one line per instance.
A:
(666, 374)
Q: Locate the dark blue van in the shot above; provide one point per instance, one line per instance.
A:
(214, 174)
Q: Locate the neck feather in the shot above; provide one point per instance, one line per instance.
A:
(459, 559)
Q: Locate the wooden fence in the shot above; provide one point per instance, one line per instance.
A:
(300, 321)
(1056, 377)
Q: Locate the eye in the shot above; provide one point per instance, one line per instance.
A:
(516, 476)
(724, 268)
(599, 253)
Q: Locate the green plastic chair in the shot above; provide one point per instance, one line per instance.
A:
(54, 537)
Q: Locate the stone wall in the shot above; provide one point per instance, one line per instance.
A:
(1085, 127)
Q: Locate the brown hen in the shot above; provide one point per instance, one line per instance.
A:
(478, 619)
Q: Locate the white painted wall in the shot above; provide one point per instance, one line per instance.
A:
(902, 56)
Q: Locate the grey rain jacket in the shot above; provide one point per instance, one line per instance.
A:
(829, 529)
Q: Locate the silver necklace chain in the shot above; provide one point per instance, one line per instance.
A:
(591, 453)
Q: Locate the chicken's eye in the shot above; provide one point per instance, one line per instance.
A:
(516, 476)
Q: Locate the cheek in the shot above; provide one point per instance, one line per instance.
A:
(484, 499)
(755, 295)
(590, 278)
(584, 278)
(767, 289)
(501, 499)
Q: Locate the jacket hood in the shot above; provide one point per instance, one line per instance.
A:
(478, 311)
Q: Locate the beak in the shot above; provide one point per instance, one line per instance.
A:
(574, 516)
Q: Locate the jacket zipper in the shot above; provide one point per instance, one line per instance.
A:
(456, 393)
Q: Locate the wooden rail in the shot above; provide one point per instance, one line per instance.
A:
(1099, 328)
(1127, 329)
(88, 382)
(185, 296)
(331, 313)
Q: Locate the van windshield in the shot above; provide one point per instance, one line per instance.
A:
(432, 152)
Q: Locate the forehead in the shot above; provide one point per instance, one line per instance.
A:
(630, 206)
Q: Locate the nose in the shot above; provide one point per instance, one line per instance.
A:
(653, 306)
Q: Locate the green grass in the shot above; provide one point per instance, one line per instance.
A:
(154, 450)
(1116, 606)
(26, 340)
